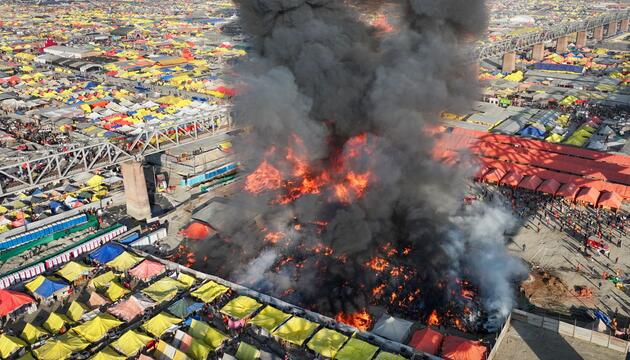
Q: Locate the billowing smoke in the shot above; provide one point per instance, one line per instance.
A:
(320, 79)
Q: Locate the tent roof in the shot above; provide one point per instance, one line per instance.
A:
(160, 323)
(209, 291)
(73, 271)
(296, 330)
(108, 354)
(9, 345)
(427, 340)
(392, 328)
(147, 269)
(95, 329)
(184, 307)
(198, 231)
(45, 287)
(610, 200)
(163, 350)
(269, 318)
(494, 175)
(61, 348)
(457, 348)
(186, 279)
(588, 195)
(356, 349)
(76, 310)
(198, 350)
(115, 291)
(97, 300)
(388, 356)
(568, 190)
(512, 178)
(327, 342)
(204, 332)
(124, 261)
(131, 342)
(103, 280)
(530, 182)
(549, 186)
(12, 300)
(247, 352)
(241, 307)
(55, 322)
(106, 253)
(164, 289)
(32, 333)
(128, 309)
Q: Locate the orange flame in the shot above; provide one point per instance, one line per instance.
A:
(433, 319)
(378, 291)
(361, 319)
(266, 177)
(274, 237)
(377, 264)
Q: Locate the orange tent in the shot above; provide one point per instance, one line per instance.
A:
(198, 231)
(494, 176)
(427, 340)
(147, 269)
(530, 182)
(12, 300)
(457, 348)
(587, 195)
(549, 186)
(610, 200)
(511, 179)
(568, 191)
(481, 172)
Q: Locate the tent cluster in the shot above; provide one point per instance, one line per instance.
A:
(448, 347)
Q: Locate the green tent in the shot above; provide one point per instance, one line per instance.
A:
(356, 349)
(327, 342)
(241, 307)
(269, 318)
(296, 330)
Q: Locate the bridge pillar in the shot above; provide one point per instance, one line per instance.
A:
(598, 33)
(509, 62)
(612, 28)
(538, 52)
(136, 195)
(624, 26)
(580, 41)
(561, 44)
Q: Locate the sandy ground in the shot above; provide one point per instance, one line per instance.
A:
(527, 342)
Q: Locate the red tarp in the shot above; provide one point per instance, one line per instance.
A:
(549, 186)
(12, 300)
(568, 191)
(530, 182)
(610, 200)
(457, 348)
(197, 231)
(494, 176)
(147, 269)
(427, 340)
(587, 195)
(481, 172)
(512, 179)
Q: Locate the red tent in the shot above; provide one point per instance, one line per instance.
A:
(198, 231)
(481, 172)
(427, 340)
(147, 270)
(530, 182)
(568, 191)
(588, 195)
(12, 300)
(549, 186)
(494, 176)
(511, 179)
(610, 200)
(457, 348)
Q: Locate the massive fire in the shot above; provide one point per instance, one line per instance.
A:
(433, 319)
(361, 320)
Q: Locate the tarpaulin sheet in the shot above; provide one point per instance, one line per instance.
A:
(103, 280)
(198, 350)
(115, 291)
(76, 311)
(184, 307)
(204, 332)
(186, 279)
(97, 300)
(247, 352)
(269, 318)
(388, 356)
(209, 291)
(160, 323)
(356, 349)
(610, 200)
(327, 342)
(164, 289)
(241, 307)
(61, 348)
(296, 330)
(95, 329)
(131, 342)
(129, 309)
(392, 328)
(45, 287)
(427, 340)
(124, 261)
(9, 345)
(166, 351)
(32, 333)
(12, 300)
(55, 322)
(108, 354)
(106, 253)
(147, 270)
(457, 348)
(73, 271)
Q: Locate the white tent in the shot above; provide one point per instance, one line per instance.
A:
(392, 328)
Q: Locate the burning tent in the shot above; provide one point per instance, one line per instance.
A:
(427, 340)
(457, 348)
(392, 328)
(198, 231)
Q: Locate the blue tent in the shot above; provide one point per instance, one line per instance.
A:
(184, 307)
(56, 207)
(106, 253)
(49, 287)
(129, 239)
(533, 132)
(603, 317)
(37, 191)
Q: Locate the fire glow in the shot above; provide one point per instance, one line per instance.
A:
(361, 319)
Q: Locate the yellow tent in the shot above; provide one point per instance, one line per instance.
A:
(72, 271)
(115, 291)
(186, 279)
(241, 307)
(160, 323)
(327, 342)
(61, 348)
(95, 329)
(35, 283)
(9, 345)
(296, 330)
(388, 356)
(356, 349)
(269, 318)
(164, 289)
(131, 342)
(32, 333)
(103, 280)
(124, 261)
(108, 354)
(209, 291)
(198, 350)
(95, 181)
(76, 310)
(55, 322)
(27, 356)
(247, 352)
(166, 351)
(204, 332)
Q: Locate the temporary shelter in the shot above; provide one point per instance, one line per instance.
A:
(95, 329)
(194, 348)
(43, 287)
(610, 200)
(388, 356)
(356, 349)
(530, 182)
(296, 330)
(204, 332)
(427, 340)
(11, 301)
(161, 323)
(269, 318)
(241, 307)
(494, 175)
(61, 348)
(164, 351)
(147, 270)
(131, 343)
(209, 291)
(9, 345)
(164, 289)
(327, 342)
(55, 322)
(457, 348)
(32, 333)
(97, 300)
(106, 253)
(549, 186)
(512, 178)
(124, 261)
(129, 309)
(184, 307)
(108, 354)
(74, 271)
(76, 311)
(115, 291)
(186, 279)
(568, 191)
(587, 195)
(392, 328)
(103, 280)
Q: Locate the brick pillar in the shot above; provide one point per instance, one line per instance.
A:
(561, 44)
(598, 33)
(624, 26)
(612, 28)
(136, 194)
(580, 41)
(538, 52)
(509, 62)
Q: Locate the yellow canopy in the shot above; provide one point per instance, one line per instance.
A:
(204, 332)
(161, 322)
(327, 342)
(186, 279)
(124, 261)
(9, 345)
(95, 329)
(166, 351)
(164, 289)
(76, 310)
(108, 354)
(198, 350)
(296, 330)
(388, 356)
(247, 352)
(61, 348)
(209, 291)
(103, 280)
(55, 322)
(241, 307)
(269, 318)
(95, 181)
(131, 342)
(115, 291)
(32, 333)
(356, 349)
(35, 283)
(73, 271)
(27, 356)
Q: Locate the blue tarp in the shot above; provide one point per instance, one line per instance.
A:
(56, 207)
(603, 317)
(129, 239)
(533, 132)
(49, 287)
(559, 67)
(106, 253)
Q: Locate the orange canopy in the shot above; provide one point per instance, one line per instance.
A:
(588, 195)
(457, 348)
(427, 340)
(549, 186)
(530, 182)
(198, 231)
(610, 200)
(12, 300)
(512, 179)
(568, 191)
(494, 176)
